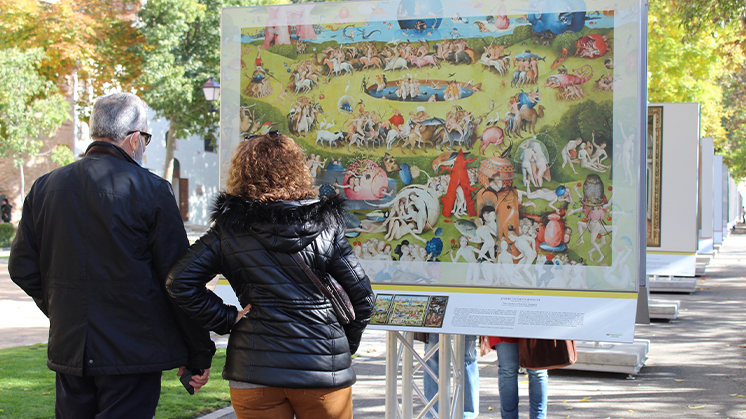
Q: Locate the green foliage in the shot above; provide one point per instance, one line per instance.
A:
(7, 232)
(696, 15)
(687, 68)
(182, 51)
(582, 119)
(30, 105)
(286, 50)
(565, 41)
(62, 155)
(477, 44)
(267, 112)
(731, 147)
(89, 38)
(27, 388)
(519, 35)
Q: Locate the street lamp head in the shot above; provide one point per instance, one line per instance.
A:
(211, 89)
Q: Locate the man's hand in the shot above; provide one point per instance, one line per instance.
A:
(198, 381)
(241, 313)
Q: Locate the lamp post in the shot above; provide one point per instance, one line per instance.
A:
(211, 89)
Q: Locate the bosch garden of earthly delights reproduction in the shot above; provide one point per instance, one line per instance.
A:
(488, 151)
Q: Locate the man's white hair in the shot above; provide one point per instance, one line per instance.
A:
(116, 114)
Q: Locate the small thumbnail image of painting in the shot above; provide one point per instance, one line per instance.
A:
(408, 310)
(436, 310)
(381, 309)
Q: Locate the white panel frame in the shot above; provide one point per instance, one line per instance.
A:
(679, 192)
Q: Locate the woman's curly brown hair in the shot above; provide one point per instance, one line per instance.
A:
(270, 167)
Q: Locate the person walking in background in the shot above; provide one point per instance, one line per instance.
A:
(6, 210)
(93, 247)
(471, 375)
(507, 381)
(289, 356)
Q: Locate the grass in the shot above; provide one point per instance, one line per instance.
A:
(27, 387)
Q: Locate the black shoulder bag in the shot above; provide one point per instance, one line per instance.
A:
(331, 290)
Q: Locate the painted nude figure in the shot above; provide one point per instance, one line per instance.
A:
(467, 252)
(566, 156)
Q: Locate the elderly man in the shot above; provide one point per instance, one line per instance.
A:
(95, 242)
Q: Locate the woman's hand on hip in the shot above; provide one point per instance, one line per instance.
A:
(243, 312)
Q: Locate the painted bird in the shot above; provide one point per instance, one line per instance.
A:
(266, 127)
(446, 159)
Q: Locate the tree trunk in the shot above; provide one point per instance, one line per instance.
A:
(23, 181)
(168, 169)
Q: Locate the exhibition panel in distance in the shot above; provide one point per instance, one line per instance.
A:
(673, 185)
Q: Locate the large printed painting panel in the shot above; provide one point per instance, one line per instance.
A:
(488, 145)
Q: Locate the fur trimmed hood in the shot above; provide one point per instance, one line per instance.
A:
(279, 225)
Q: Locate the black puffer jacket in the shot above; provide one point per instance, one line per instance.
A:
(291, 337)
(96, 240)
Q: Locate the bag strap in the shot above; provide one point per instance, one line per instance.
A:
(307, 270)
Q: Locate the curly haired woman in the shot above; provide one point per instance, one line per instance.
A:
(289, 355)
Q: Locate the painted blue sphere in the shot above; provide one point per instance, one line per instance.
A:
(558, 16)
(420, 14)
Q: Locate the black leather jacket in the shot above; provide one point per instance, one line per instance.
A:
(94, 245)
(291, 337)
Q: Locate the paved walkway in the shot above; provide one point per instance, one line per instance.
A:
(696, 367)
(21, 322)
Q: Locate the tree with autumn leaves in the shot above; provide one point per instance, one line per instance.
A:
(48, 51)
(164, 53)
(29, 107)
(182, 51)
(696, 53)
(91, 40)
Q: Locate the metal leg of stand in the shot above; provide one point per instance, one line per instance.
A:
(429, 404)
(444, 375)
(399, 348)
(392, 404)
(459, 376)
(407, 373)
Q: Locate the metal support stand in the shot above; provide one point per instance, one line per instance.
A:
(392, 409)
(400, 350)
(407, 370)
(459, 376)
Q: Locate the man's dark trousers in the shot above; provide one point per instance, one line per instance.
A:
(131, 396)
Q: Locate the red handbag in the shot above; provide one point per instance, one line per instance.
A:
(546, 354)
